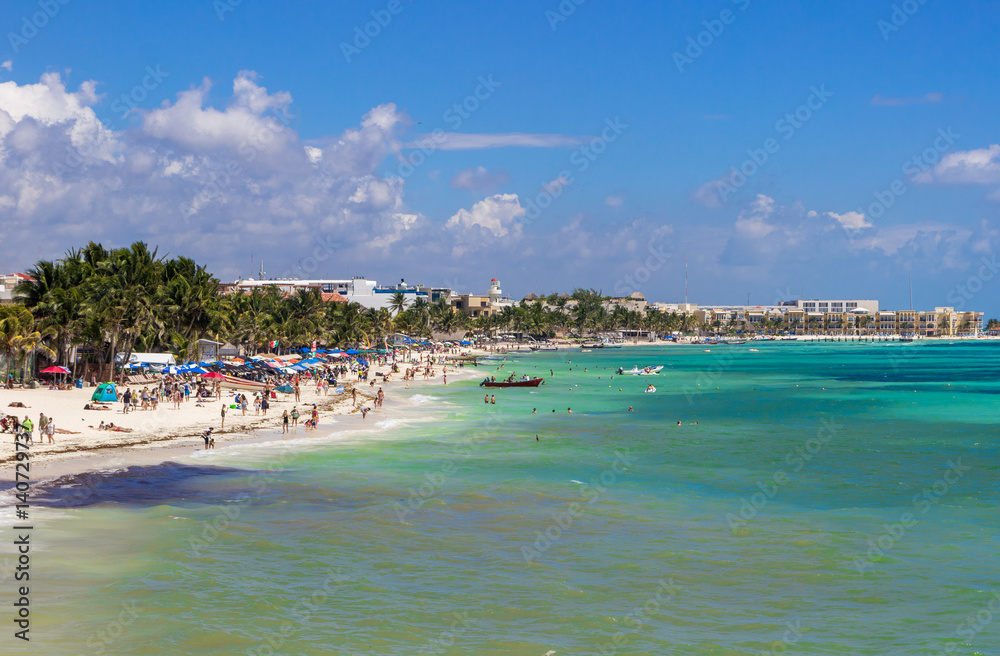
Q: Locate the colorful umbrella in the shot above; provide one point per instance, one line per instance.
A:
(54, 370)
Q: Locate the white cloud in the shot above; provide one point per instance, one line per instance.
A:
(753, 222)
(555, 185)
(254, 122)
(707, 195)
(614, 201)
(461, 141)
(491, 219)
(479, 178)
(314, 154)
(32, 111)
(363, 149)
(933, 97)
(848, 220)
(980, 166)
(191, 179)
(9, 65)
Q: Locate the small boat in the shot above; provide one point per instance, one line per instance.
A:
(733, 341)
(650, 389)
(592, 345)
(232, 382)
(533, 382)
(636, 371)
(544, 347)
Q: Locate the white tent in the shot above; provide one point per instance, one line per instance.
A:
(164, 359)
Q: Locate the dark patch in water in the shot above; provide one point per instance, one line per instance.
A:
(138, 485)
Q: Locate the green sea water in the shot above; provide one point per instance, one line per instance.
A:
(831, 499)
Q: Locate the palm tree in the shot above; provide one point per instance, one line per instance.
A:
(19, 336)
(398, 302)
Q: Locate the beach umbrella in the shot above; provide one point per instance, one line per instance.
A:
(212, 374)
(54, 370)
(287, 389)
(351, 351)
(195, 369)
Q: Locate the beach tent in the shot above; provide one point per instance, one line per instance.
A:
(105, 393)
(146, 358)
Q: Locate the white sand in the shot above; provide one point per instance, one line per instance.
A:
(166, 429)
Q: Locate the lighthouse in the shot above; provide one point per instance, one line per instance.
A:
(495, 292)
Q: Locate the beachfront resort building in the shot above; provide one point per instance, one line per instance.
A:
(480, 305)
(836, 318)
(367, 293)
(7, 284)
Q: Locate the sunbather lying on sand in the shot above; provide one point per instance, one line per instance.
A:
(96, 406)
(112, 427)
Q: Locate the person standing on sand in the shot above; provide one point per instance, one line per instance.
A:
(223, 426)
(126, 400)
(50, 430)
(315, 416)
(297, 390)
(243, 405)
(354, 397)
(284, 422)
(207, 436)
(42, 423)
(295, 419)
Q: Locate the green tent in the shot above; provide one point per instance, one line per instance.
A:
(105, 393)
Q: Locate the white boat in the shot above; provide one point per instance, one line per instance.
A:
(232, 382)
(636, 371)
(544, 347)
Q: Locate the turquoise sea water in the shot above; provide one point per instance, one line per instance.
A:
(832, 499)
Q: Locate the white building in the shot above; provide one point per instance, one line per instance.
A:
(823, 306)
(359, 289)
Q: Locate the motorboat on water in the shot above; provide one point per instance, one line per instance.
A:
(544, 347)
(524, 382)
(636, 371)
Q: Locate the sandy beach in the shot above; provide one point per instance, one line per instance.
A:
(158, 435)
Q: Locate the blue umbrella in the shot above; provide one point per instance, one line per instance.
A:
(351, 352)
(197, 370)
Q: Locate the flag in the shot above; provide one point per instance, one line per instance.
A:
(274, 344)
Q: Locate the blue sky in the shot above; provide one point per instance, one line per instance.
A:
(255, 133)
